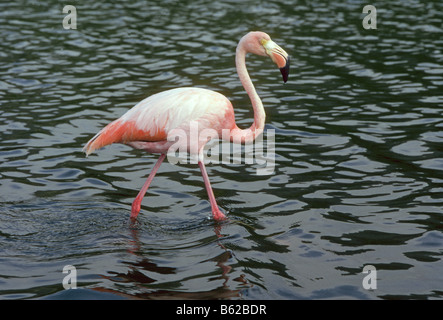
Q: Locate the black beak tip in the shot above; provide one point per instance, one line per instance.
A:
(285, 71)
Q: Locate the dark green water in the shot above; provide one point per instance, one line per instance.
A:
(359, 159)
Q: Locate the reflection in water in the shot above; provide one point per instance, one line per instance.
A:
(144, 285)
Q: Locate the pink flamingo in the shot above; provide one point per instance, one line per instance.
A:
(146, 126)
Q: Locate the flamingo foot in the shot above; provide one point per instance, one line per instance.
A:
(218, 215)
(136, 205)
(135, 209)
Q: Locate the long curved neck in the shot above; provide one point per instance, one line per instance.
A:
(259, 112)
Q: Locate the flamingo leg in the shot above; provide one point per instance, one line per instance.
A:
(216, 212)
(138, 200)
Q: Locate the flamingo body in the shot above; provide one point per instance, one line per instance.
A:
(148, 124)
(154, 117)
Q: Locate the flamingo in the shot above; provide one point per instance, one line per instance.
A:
(147, 125)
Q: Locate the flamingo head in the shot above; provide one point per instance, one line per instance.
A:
(260, 43)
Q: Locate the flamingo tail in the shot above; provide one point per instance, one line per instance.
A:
(112, 133)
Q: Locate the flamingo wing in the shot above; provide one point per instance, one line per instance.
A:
(152, 118)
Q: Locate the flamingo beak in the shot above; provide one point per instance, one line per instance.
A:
(285, 70)
(279, 56)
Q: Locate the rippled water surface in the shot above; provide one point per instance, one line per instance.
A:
(358, 178)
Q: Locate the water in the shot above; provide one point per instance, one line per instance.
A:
(358, 178)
